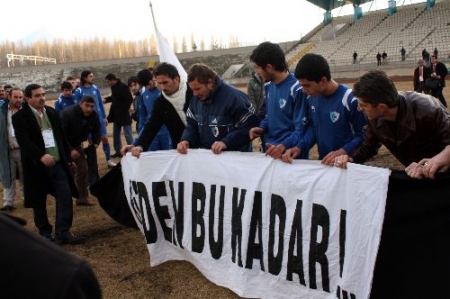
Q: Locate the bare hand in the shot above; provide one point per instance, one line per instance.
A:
(74, 154)
(436, 164)
(218, 146)
(255, 132)
(415, 170)
(182, 147)
(125, 149)
(136, 151)
(341, 161)
(275, 151)
(48, 160)
(331, 157)
(290, 154)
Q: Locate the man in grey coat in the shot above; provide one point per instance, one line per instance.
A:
(10, 164)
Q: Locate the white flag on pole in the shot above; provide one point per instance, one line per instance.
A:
(166, 54)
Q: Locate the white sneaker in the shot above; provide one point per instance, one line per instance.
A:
(110, 163)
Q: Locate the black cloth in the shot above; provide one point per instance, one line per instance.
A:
(121, 103)
(164, 113)
(91, 159)
(414, 255)
(77, 126)
(110, 193)
(32, 267)
(32, 148)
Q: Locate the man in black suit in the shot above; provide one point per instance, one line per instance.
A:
(438, 71)
(46, 160)
(421, 74)
(119, 113)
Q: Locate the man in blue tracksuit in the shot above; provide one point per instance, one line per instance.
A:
(88, 87)
(285, 101)
(66, 98)
(334, 122)
(219, 116)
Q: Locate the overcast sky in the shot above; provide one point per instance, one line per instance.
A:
(250, 21)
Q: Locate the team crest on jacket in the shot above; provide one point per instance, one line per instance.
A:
(282, 103)
(215, 129)
(334, 116)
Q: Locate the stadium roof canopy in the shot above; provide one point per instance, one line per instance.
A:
(329, 5)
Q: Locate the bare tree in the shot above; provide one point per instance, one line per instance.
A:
(183, 45)
(193, 44)
(175, 45)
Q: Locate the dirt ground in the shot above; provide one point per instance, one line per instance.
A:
(120, 258)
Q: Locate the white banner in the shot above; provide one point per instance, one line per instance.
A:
(261, 227)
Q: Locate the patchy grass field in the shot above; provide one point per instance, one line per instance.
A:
(120, 258)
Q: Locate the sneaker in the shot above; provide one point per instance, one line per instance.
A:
(110, 163)
(117, 155)
(7, 208)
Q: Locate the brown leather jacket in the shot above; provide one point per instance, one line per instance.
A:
(422, 130)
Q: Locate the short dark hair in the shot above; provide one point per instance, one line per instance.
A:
(110, 77)
(66, 85)
(87, 98)
(7, 86)
(133, 79)
(167, 69)
(144, 76)
(202, 73)
(70, 78)
(375, 87)
(269, 53)
(28, 90)
(312, 67)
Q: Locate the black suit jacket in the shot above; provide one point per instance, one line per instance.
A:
(441, 70)
(426, 75)
(32, 148)
(121, 99)
(164, 113)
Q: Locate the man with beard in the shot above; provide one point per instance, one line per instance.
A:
(169, 109)
(283, 124)
(219, 116)
(10, 164)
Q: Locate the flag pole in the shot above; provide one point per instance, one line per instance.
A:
(166, 54)
(153, 15)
